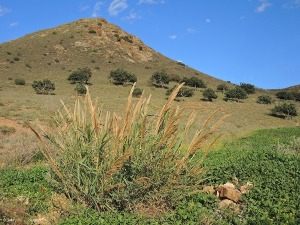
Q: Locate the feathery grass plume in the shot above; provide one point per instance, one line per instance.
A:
(114, 162)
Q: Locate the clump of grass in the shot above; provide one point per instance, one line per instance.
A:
(110, 162)
(5, 130)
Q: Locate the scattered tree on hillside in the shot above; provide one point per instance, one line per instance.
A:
(160, 79)
(249, 88)
(209, 94)
(222, 87)
(81, 75)
(183, 92)
(284, 110)
(236, 94)
(264, 99)
(121, 77)
(44, 87)
(195, 82)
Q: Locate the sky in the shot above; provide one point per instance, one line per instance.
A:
(241, 41)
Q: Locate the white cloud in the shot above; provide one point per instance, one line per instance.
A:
(150, 1)
(132, 16)
(117, 6)
(292, 4)
(84, 8)
(191, 30)
(173, 37)
(14, 24)
(4, 10)
(207, 20)
(96, 9)
(263, 5)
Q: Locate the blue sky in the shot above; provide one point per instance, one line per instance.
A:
(250, 41)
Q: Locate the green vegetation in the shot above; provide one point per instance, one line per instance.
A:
(81, 75)
(80, 89)
(264, 99)
(116, 164)
(209, 94)
(236, 94)
(183, 92)
(137, 92)
(44, 87)
(19, 81)
(284, 110)
(288, 95)
(222, 87)
(160, 79)
(5, 130)
(249, 88)
(195, 82)
(121, 77)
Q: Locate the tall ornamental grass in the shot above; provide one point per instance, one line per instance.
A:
(111, 162)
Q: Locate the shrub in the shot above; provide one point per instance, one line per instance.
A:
(194, 82)
(222, 87)
(19, 81)
(249, 88)
(286, 95)
(80, 89)
(82, 75)
(284, 110)
(118, 162)
(183, 92)
(92, 31)
(236, 94)
(209, 94)
(137, 92)
(160, 79)
(44, 87)
(5, 130)
(264, 99)
(16, 58)
(175, 78)
(121, 77)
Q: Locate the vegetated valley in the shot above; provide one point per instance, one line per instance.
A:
(98, 128)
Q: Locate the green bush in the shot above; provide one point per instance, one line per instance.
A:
(222, 87)
(80, 89)
(44, 87)
(287, 95)
(160, 79)
(19, 81)
(284, 110)
(81, 75)
(249, 88)
(236, 93)
(121, 77)
(264, 99)
(115, 163)
(194, 82)
(137, 92)
(209, 94)
(183, 92)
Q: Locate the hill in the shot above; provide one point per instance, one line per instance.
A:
(101, 46)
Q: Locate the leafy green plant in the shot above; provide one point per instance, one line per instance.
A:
(236, 94)
(284, 110)
(222, 87)
(81, 75)
(183, 92)
(160, 79)
(264, 99)
(249, 88)
(194, 82)
(44, 87)
(19, 81)
(121, 77)
(286, 95)
(137, 92)
(116, 162)
(80, 89)
(209, 94)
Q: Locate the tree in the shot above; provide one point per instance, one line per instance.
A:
(160, 79)
(222, 87)
(249, 88)
(284, 110)
(44, 87)
(194, 82)
(81, 75)
(264, 99)
(121, 77)
(183, 92)
(209, 94)
(236, 94)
